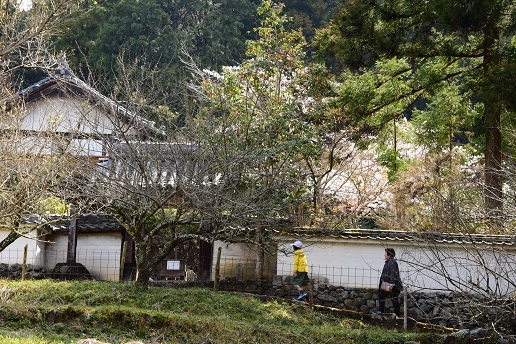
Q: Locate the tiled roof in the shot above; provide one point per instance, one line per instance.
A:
(62, 75)
(387, 235)
(86, 223)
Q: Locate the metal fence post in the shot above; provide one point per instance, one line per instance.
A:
(311, 291)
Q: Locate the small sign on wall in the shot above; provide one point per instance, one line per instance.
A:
(173, 265)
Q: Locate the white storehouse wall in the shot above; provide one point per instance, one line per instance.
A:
(14, 252)
(240, 257)
(358, 263)
(99, 253)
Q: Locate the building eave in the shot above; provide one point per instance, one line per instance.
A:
(400, 236)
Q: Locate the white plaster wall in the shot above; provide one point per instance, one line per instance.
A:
(55, 251)
(99, 253)
(358, 263)
(49, 145)
(355, 264)
(63, 115)
(14, 252)
(471, 268)
(243, 254)
(231, 256)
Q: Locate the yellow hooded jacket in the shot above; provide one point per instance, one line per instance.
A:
(300, 263)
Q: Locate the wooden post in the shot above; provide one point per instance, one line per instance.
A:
(311, 293)
(24, 266)
(122, 262)
(217, 271)
(405, 309)
(71, 255)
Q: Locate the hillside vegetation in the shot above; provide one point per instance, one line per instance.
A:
(68, 312)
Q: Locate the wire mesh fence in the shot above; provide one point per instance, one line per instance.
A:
(105, 265)
(89, 264)
(345, 276)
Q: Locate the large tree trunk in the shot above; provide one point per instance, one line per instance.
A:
(149, 253)
(493, 196)
(11, 237)
(144, 268)
(260, 254)
(493, 161)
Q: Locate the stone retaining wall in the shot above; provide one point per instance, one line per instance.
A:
(442, 309)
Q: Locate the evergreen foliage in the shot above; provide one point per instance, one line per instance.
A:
(392, 54)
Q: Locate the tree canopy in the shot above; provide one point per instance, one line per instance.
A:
(392, 54)
(27, 175)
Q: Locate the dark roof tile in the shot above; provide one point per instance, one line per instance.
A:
(387, 235)
(86, 223)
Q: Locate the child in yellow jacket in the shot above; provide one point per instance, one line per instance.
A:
(300, 278)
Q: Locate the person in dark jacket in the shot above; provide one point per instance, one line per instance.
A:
(390, 274)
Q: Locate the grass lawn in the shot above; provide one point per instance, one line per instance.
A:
(34, 312)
